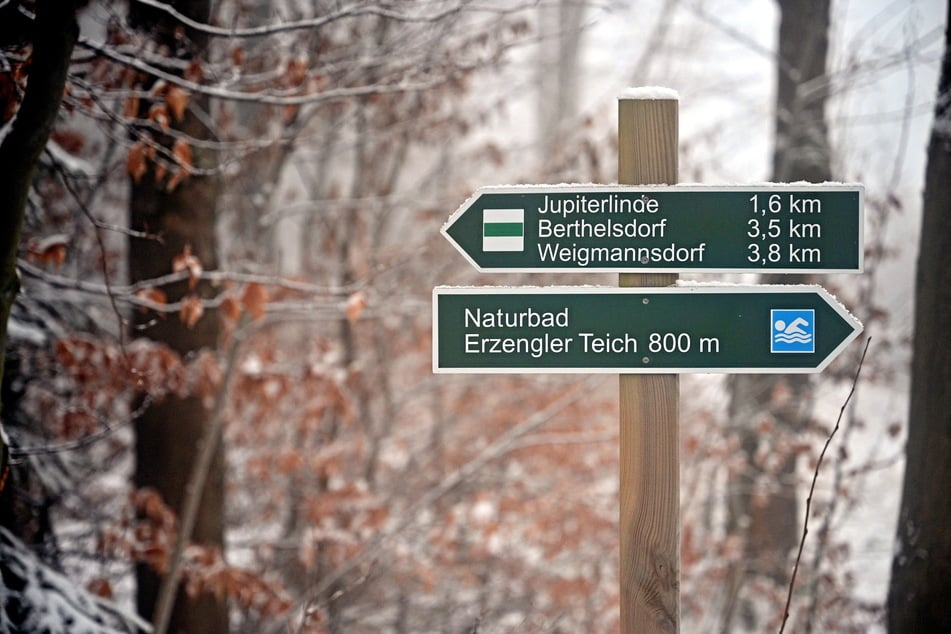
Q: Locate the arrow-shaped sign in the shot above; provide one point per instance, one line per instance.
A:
(701, 328)
(587, 228)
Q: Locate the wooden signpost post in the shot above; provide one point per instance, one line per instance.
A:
(649, 438)
(645, 326)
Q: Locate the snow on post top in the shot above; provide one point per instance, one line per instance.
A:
(649, 92)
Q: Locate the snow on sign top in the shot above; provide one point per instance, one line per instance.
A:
(649, 92)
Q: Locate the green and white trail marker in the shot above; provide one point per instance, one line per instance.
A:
(677, 329)
(590, 228)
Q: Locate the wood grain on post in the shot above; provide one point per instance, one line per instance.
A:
(649, 438)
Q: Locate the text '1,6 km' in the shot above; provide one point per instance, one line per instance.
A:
(589, 228)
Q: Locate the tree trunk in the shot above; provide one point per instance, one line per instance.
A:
(919, 594)
(558, 70)
(55, 32)
(763, 502)
(168, 433)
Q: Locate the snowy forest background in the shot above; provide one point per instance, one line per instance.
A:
(228, 249)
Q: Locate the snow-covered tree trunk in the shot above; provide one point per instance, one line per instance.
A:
(919, 593)
(56, 32)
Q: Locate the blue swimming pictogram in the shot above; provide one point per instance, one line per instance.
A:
(792, 330)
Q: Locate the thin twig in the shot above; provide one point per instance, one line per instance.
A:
(354, 10)
(333, 94)
(498, 448)
(812, 488)
(103, 255)
(208, 445)
(83, 442)
(218, 276)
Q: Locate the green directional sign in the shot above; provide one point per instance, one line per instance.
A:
(701, 328)
(574, 228)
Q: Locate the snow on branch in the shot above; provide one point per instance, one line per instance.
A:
(354, 10)
(36, 598)
(262, 98)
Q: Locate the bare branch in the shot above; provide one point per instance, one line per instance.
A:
(812, 487)
(208, 445)
(498, 448)
(129, 290)
(357, 9)
(88, 440)
(332, 94)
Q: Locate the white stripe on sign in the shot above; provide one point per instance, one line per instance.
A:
(503, 230)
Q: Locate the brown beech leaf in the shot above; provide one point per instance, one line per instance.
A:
(48, 250)
(159, 114)
(356, 304)
(237, 56)
(158, 89)
(160, 172)
(230, 309)
(177, 177)
(152, 295)
(254, 300)
(290, 461)
(183, 156)
(136, 163)
(182, 153)
(130, 109)
(186, 261)
(100, 587)
(194, 72)
(68, 139)
(296, 71)
(205, 375)
(177, 100)
(290, 113)
(191, 310)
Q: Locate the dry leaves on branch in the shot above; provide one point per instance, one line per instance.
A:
(183, 157)
(151, 295)
(159, 114)
(137, 161)
(296, 71)
(254, 300)
(130, 109)
(191, 310)
(230, 310)
(48, 250)
(237, 56)
(194, 72)
(356, 304)
(186, 261)
(206, 572)
(177, 100)
(100, 587)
